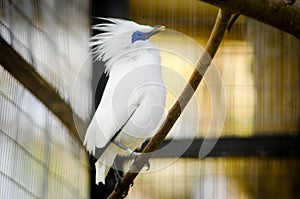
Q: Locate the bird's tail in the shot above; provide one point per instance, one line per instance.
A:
(104, 163)
(89, 140)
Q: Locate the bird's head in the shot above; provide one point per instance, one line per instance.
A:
(119, 36)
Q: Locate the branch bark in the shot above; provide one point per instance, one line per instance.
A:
(281, 14)
(174, 113)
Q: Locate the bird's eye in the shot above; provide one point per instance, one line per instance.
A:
(137, 36)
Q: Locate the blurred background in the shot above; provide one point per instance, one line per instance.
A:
(257, 153)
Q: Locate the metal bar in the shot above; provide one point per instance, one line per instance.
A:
(259, 146)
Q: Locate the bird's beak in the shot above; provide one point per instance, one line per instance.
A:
(156, 29)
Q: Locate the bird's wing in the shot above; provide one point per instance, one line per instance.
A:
(111, 115)
(103, 128)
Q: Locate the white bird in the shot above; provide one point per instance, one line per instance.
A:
(134, 98)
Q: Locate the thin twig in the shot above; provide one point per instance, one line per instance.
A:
(232, 21)
(174, 113)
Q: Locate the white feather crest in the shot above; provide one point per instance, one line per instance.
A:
(114, 40)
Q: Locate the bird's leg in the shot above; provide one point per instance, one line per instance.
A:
(119, 179)
(128, 150)
(132, 154)
(117, 175)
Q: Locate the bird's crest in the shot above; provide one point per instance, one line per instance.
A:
(115, 39)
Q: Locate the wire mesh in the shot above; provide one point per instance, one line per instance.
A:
(53, 37)
(213, 178)
(259, 66)
(38, 157)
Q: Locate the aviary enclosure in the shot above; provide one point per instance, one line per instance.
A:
(246, 108)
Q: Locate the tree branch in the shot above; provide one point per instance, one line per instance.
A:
(281, 14)
(174, 113)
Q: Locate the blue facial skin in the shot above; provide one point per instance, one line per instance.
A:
(138, 35)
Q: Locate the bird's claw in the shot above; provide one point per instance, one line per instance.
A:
(118, 179)
(118, 189)
(134, 155)
(147, 165)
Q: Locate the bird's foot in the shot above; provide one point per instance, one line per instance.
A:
(134, 155)
(118, 178)
(118, 188)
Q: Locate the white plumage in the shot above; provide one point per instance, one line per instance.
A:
(134, 97)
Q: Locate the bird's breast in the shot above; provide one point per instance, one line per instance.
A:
(136, 85)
